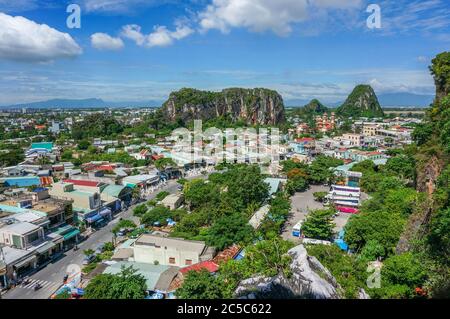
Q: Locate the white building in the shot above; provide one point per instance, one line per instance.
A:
(153, 249)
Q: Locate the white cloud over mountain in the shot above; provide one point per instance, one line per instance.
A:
(103, 41)
(22, 39)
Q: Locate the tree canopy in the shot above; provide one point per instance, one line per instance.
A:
(128, 284)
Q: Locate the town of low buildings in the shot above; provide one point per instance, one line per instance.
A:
(48, 206)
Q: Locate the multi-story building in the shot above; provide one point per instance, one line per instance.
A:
(356, 140)
(370, 129)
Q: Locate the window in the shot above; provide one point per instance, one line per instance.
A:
(188, 262)
(172, 260)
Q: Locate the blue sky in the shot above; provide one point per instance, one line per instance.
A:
(141, 50)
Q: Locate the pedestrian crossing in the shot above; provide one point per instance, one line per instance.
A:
(44, 284)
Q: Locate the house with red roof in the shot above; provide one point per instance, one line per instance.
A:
(208, 265)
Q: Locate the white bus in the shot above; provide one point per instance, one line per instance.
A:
(340, 188)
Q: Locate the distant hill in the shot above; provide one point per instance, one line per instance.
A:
(315, 107)
(362, 102)
(83, 103)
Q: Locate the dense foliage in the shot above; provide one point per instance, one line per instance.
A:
(95, 125)
(125, 285)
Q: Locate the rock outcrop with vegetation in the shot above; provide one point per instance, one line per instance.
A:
(362, 102)
(315, 107)
(252, 106)
(308, 280)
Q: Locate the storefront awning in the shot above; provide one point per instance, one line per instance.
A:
(43, 249)
(71, 234)
(25, 262)
(93, 219)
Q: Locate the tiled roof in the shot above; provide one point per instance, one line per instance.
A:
(208, 265)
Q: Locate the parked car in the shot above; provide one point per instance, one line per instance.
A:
(88, 259)
(100, 249)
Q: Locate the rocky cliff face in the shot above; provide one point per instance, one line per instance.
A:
(309, 280)
(253, 106)
(362, 102)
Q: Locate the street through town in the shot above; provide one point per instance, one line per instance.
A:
(51, 276)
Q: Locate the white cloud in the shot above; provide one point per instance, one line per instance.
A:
(25, 40)
(160, 37)
(264, 15)
(103, 41)
(133, 32)
(424, 16)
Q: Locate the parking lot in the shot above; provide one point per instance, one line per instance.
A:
(303, 203)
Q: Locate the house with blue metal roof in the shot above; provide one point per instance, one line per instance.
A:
(25, 181)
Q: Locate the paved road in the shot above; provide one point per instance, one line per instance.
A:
(51, 276)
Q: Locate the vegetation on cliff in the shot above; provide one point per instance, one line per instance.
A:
(362, 102)
(315, 107)
(253, 106)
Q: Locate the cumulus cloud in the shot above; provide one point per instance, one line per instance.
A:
(160, 37)
(133, 32)
(264, 15)
(103, 41)
(25, 40)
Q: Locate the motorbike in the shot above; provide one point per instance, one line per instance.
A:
(37, 287)
(75, 248)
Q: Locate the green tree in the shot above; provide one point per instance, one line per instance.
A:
(439, 236)
(199, 193)
(124, 223)
(128, 284)
(200, 285)
(159, 214)
(88, 252)
(162, 195)
(383, 227)
(83, 145)
(296, 184)
(372, 250)
(140, 210)
(319, 224)
(229, 230)
(402, 166)
(320, 196)
(12, 157)
(163, 163)
(319, 171)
